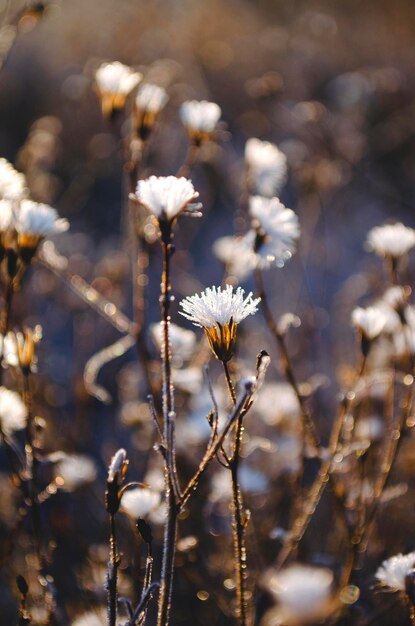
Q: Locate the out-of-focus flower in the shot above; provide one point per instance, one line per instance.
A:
(277, 402)
(139, 502)
(6, 216)
(91, 618)
(393, 572)
(237, 254)
(118, 467)
(277, 231)
(167, 197)
(13, 412)
(12, 182)
(219, 311)
(72, 470)
(267, 167)
(369, 428)
(303, 593)
(200, 119)
(391, 240)
(189, 379)
(182, 341)
(370, 322)
(35, 221)
(149, 102)
(114, 82)
(25, 345)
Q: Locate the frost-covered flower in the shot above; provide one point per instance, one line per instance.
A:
(182, 341)
(267, 167)
(277, 231)
(13, 413)
(167, 196)
(114, 82)
(237, 254)
(6, 218)
(277, 403)
(200, 118)
(139, 502)
(150, 100)
(303, 592)
(33, 222)
(12, 182)
(219, 311)
(91, 618)
(393, 571)
(72, 470)
(188, 379)
(370, 322)
(391, 240)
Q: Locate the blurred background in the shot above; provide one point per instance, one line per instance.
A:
(331, 82)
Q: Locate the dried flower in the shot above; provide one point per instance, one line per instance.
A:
(303, 592)
(33, 222)
(73, 470)
(391, 240)
(200, 119)
(277, 231)
(167, 197)
(370, 322)
(13, 412)
(118, 467)
(150, 100)
(12, 182)
(219, 311)
(139, 502)
(182, 341)
(393, 572)
(114, 82)
(267, 167)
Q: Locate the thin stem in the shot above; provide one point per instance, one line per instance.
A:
(170, 529)
(238, 524)
(112, 574)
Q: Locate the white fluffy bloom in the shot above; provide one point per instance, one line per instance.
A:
(91, 618)
(189, 379)
(267, 167)
(13, 413)
(167, 196)
(200, 116)
(280, 230)
(303, 592)
(139, 502)
(39, 220)
(237, 254)
(182, 341)
(151, 98)
(6, 215)
(12, 183)
(116, 78)
(370, 321)
(393, 571)
(277, 403)
(393, 240)
(218, 306)
(73, 470)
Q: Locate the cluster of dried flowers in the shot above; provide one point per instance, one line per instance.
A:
(354, 461)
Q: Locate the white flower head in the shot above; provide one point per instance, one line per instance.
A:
(167, 197)
(73, 470)
(200, 118)
(139, 502)
(182, 341)
(12, 182)
(13, 412)
(34, 221)
(267, 167)
(6, 216)
(303, 592)
(393, 571)
(151, 98)
(370, 322)
(114, 82)
(278, 231)
(391, 240)
(237, 254)
(219, 311)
